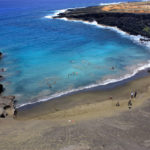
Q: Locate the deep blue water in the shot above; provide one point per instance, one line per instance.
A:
(45, 56)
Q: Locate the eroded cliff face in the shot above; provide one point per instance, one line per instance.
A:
(132, 23)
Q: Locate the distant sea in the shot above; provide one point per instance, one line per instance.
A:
(45, 58)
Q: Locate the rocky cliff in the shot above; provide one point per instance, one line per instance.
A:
(132, 23)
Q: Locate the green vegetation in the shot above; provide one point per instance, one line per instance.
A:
(147, 29)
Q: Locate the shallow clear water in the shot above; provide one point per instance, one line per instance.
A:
(44, 56)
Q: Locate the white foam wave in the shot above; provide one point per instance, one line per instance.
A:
(135, 39)
(139, 67)
(50, 16)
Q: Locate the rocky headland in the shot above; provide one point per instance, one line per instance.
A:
(133, 18)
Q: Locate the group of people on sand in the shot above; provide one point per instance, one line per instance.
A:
(133, 95)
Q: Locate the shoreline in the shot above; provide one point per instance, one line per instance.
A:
(38, 108)
(84, 118)
(142, 70)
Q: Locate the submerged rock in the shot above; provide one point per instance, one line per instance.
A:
(7, 106)
(1, 54)
(2, 70)
(1, 88)
(1, 77)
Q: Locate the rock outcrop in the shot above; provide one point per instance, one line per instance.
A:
(7, 106)
(132, 23)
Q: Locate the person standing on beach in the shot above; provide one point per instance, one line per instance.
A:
(135, 93)
(132, 94)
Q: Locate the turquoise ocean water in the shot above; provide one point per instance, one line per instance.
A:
(46, 58)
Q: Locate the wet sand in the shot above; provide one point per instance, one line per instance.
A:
(83, 121)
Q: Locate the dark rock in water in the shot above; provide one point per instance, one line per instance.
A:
(1, 54)
(1, 88)
(2, 69)
(148, 70)
(7, 107)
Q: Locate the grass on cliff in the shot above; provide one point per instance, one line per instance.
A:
(147, 29)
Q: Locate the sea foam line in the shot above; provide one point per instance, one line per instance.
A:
(55, 13)
(139, 68)
(134, 38)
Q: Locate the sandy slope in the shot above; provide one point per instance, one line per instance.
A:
(138, 7)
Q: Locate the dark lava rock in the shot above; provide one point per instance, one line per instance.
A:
(1, 54)
(148, 70)
(134, 24)
(1, 88)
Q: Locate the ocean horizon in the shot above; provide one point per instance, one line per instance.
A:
(46, 58)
